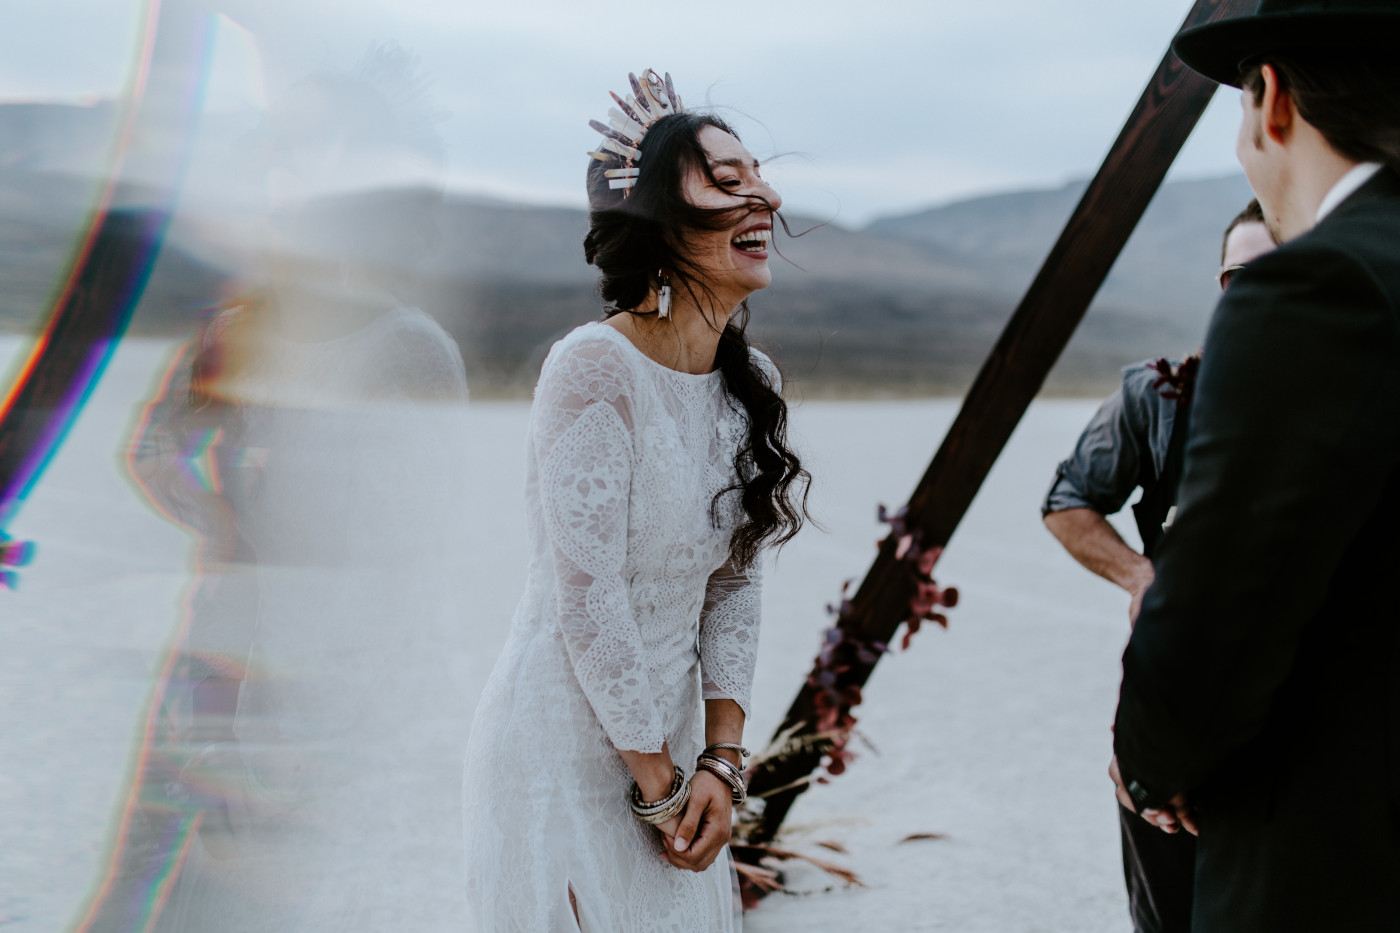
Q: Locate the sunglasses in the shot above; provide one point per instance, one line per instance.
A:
(1225, 275)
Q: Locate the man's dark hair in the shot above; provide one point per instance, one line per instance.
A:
(1252, 214)
(1352, 99)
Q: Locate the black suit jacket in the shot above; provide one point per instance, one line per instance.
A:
(1263, 675)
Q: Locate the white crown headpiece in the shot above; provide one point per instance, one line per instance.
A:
(652, 98)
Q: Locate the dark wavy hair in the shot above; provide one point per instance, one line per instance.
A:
(630, 239)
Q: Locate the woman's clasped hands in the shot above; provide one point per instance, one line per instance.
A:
(696, 838)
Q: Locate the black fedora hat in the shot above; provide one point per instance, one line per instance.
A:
(1217, 50)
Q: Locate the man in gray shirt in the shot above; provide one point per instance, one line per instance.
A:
(1136, 440)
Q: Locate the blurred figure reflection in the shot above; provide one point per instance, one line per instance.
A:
(294, 776)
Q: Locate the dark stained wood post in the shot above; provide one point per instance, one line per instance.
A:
(1009, 379)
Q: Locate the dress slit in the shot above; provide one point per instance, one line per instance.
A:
(573, 904)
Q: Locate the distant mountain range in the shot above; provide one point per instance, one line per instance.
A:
(907, 304)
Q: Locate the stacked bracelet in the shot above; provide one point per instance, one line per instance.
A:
(729, 746)
(726, 772)
(668, 807)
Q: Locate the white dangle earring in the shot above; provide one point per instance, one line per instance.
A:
(663, 300)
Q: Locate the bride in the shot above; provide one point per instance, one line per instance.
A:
(598, 786)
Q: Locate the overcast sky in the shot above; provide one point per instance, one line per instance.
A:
(881, 107)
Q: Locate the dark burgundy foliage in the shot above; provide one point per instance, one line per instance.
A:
(1177, 383)
(835, 681)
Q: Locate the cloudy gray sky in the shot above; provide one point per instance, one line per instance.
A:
(880, 106)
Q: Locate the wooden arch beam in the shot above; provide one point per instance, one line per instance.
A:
(1009, 380)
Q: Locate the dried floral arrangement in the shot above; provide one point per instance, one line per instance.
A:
(836, 690)
(1177, 383)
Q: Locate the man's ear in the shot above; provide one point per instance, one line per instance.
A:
(1277, 110)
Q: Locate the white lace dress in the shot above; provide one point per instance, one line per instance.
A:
(632, 615)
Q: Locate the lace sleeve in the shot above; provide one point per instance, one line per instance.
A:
(729, 634)
(582, 430)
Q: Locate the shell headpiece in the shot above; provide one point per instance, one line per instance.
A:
(652, 98)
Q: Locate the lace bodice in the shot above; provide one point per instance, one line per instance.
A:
(626, 457)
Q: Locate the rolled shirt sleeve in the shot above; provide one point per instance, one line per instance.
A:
(1121, 448)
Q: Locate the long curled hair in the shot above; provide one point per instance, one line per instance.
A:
(630, 239)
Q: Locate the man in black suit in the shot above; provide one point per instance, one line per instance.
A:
(1260, 703)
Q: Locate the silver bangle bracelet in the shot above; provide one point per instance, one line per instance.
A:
(668, 807)
(723, 763)
(728, 746)
(675, 806)
(642, 806)
(726, 772)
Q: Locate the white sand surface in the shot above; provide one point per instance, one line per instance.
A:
(994, 733)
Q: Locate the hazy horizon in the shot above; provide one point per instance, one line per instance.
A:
(889, 107)
(468, 189)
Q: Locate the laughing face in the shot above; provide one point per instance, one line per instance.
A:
(734, 260)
